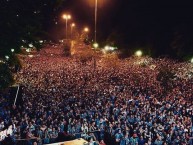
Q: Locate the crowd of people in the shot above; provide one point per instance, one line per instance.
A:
(120, 103)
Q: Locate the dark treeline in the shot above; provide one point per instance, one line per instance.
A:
(159, 27)
(25, 20)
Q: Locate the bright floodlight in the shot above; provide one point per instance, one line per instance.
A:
(191, 60)
(138, 53)
(96, 45)
(12, 50)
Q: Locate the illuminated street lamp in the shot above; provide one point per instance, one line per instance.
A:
(72, 26)
(12, 50)
(96, 45)
(66, 17)
(86, 29)
(139, 53)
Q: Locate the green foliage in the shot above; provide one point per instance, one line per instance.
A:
(6, 78)
(165, 77)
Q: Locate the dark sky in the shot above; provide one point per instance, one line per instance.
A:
(144, 15)
(135, 23)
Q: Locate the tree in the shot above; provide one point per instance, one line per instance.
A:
(6, 78)
(25, 21)
(165, 77)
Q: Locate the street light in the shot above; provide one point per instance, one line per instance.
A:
(66, 17)
(96, 5)
(138, 53)
(71, 26)
(12, 50)
(96, 45)
(86, 29)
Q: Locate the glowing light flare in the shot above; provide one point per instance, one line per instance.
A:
(66, 16)
(139, 53)
(96, 45)
(73, 25)
(86, 29)
(106, 48)
(12, 50)
(109, 48)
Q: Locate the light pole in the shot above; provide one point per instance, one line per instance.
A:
(86, 30)
(66, 17)
(71, 26)
(95, 35)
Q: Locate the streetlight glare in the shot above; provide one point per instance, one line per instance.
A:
(66, 16)
(86, 29)
(107, 48)
(12, 50)
(138, 53)
(96, 45)
(101, 3)
(73, 24)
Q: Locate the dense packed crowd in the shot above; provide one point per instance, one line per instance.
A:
(123, 101)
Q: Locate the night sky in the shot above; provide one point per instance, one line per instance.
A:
(138, 16)
(157, 25)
